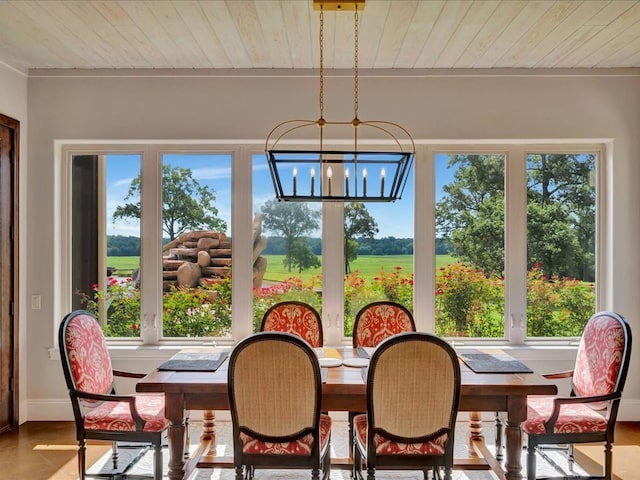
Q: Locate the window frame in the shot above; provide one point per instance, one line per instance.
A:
(241, 221)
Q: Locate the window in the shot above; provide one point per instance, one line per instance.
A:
(498, 243)
(469, 249)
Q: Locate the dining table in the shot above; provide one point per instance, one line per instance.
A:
(343, 390)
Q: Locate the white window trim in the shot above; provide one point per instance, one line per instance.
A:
(424, 232)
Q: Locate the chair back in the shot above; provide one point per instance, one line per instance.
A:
(83, 350)
(294, 317)
(413, 392)
(275, 389)
(603, 356)
(380, 320)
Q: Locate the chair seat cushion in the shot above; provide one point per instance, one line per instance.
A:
(116, 416)
(384, 446)
(298, 447)
(576, 417)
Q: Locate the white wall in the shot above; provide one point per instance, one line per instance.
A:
(13, 103)
(458, 105)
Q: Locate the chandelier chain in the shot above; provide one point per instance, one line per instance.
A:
(321, 62)
(355, 65)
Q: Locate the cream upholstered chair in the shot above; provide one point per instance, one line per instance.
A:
(375, 322)
(275, 390)
(379, 320)
(100, 413)
(589, 413)
(413, 393)
(294, 317)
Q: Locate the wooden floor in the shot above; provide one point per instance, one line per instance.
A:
(47, 451)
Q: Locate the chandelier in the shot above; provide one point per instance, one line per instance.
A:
(351, 174)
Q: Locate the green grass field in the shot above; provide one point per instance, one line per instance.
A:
(368, 265)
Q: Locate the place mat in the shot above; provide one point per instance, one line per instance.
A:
(195, 361)
(365, 352)
(493, 362)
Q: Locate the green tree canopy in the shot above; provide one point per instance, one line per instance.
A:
(293, 221)
(358, 222)
(186, 205)
(560, 213)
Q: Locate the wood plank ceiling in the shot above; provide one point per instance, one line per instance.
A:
(283, 34)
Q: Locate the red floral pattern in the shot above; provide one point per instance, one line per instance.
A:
(378, 322)
(575, 417)
(299, 447)
(88, 355)
(294, 318)
(598, 363)
(92, 373)
(384, 446)
(117, 415)
(599, 357)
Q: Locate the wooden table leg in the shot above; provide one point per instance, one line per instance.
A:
(475, 431)
(516, 414)
(208, 426)
(174, 411)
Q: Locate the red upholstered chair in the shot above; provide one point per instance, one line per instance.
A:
(379, 320)
(100, 413)
(413, 394)
(589, 413)
(275, 390)
(294, 317)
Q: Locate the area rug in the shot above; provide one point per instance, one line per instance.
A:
(339, 446)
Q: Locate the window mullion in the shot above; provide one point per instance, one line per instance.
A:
(515, 246)
(151, 246)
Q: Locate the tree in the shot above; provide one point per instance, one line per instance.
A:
(293, 221)
(358, 222)
(186, 205)
(303, 256)
(560, 213)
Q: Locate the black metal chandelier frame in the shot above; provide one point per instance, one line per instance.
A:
(349, 175)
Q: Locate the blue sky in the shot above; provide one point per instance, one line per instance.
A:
(394, 219)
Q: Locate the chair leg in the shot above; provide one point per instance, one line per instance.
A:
(531, 462)
(82, 463)
(447, 473)
(157, 456)
(114, 455)
(570, 457)
(239, 475)
(371, 473)
(499, 438)
(608, 461)
(315, 474)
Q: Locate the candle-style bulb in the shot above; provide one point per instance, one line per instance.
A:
(382, 175)
(313, 179)
(346, 182)
(364, 182)
(329, 176)
(295, 186)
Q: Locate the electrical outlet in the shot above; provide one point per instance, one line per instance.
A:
(36, 301)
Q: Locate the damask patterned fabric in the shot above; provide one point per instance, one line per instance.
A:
(92, 373)
(88, 355)
(385, 446)
(598, 362)
(599, 357)
(299, 447)
(573, 418)
(117, 415)
(294, 318)
(379, 321)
